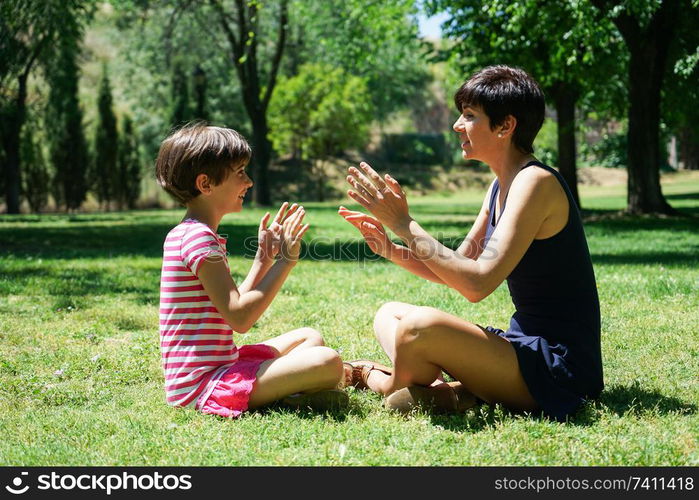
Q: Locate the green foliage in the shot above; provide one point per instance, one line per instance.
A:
(36, 178)
(105, 176)
(320, 112)
(68, 149)
(376, 40)
(421, 149)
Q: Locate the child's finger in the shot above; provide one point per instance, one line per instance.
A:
(302, 232)
(263, 222)
(292, 209)
(280, 215)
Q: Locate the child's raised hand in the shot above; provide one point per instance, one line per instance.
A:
(269, 238)
(371, 229)
(292, 233)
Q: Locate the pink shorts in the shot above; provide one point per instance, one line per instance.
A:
(232, 391)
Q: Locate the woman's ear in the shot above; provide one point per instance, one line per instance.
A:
(508, 126)
(203, 184)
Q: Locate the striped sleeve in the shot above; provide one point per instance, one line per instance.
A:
(200, 245)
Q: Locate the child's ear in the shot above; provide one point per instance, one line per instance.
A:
(203, 184)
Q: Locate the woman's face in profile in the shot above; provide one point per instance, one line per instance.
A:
(477, 138)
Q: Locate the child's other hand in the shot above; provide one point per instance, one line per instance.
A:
(269, 239)
(371, 229)
(292, 233)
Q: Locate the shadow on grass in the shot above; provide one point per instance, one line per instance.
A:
(624, 401)
(635, 400)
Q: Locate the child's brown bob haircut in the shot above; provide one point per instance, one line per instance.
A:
(198, 149)
(506, 90)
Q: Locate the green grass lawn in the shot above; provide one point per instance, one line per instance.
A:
(81, 382)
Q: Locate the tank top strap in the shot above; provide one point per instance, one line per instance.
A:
(561, 181)
(493, 197)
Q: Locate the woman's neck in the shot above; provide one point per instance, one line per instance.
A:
(507, 167)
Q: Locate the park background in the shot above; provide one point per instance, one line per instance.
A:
(89, 89)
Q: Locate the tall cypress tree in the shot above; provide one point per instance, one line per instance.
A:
(129, 165)
(180, 113)
(105, 177)
(68, 148)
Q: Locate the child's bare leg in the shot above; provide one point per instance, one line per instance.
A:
(301, 338)
(311, 369)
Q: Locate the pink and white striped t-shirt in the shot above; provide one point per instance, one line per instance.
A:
(195, 341)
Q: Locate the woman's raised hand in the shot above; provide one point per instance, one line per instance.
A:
(371, 229)
(291, 235)
(269, 238)
(383, 197)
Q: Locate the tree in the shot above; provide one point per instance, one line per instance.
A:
(241, 27)
(180, 97)
(319, 113)
(649, 29)
(35, 181)
(375, 40)
(104, 166)
(200, 83)
(68, 148)
(129, 165)
(28, 30)
(567, 49)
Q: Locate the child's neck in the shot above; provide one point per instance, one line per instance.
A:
(204, 214)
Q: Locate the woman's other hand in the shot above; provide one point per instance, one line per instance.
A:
(371, 229)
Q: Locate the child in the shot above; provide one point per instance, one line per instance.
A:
(203, 168)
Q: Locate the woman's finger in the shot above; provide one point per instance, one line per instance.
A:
(360, 187)
(363, 217)
(371, 173)
(394, 186)
(359, 199)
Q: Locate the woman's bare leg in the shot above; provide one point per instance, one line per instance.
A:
(429, 340)
(386, 323)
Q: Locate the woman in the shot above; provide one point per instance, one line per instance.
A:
(528, 232)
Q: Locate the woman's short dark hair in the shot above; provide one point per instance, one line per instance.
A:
(198, 149)
(504, 90)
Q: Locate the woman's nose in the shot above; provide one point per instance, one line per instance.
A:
(458, 125)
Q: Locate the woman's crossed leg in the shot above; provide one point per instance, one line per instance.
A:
(423, 341)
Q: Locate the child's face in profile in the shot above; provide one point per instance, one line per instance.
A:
(230, 193)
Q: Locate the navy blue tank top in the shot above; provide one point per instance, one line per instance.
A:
(556, 325)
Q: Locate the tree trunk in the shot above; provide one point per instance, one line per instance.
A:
(567, 165)
(646, 68)
(11, 143)
(261, 155)
(689, 149)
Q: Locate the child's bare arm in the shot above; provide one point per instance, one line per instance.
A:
(241, 309)
(268, 245)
